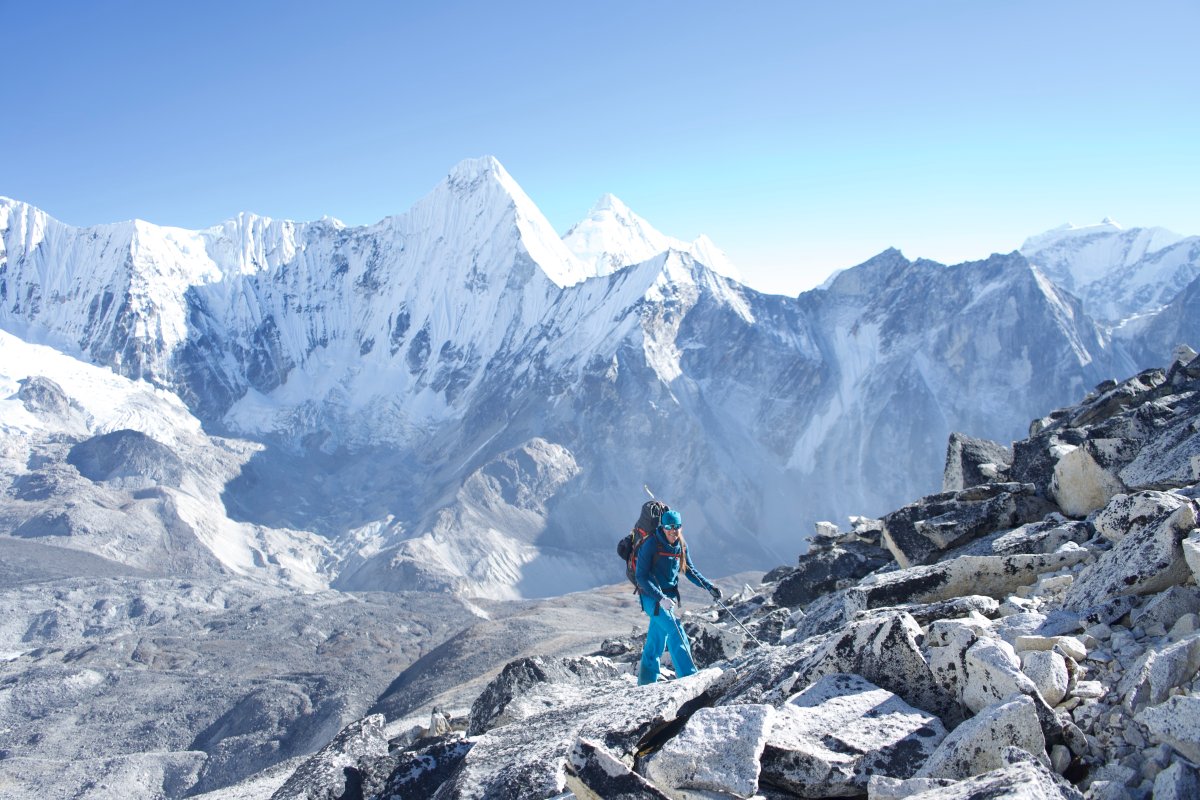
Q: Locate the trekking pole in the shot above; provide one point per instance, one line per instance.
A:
(739, 622)
(647, 488)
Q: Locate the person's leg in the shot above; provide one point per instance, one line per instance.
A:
(656, 637)
(680, 647)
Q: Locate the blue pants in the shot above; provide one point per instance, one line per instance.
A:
(665, 631)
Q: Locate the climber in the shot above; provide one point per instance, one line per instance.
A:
(660, 559)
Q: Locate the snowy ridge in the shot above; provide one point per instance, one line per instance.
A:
(612, 237)
(1118, 272)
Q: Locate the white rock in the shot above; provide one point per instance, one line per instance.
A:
(1048, 671)
(975, 746)
(1089, 690)
(828, 739)
(1068, 645)
(1177, 723)
(1080, 485)
(718, 750)
(993, 672)
(1185, 626)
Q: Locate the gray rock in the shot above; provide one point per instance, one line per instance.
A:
(976, 746)
(713, 643)
(1191, 553)
(829, 613)
(883, 650)
(881, 787)
(593, 773)
(508, 697)
(528, 758)
(1085, 477)
(419, 771)
(1135, 513)
(971, 462)
(1177, 723)
(1179, 781)
(1060, 621)
(917, 533)
(925, 613)
(822, 571)
(1046, 536)
(1148, 559)
(1022, 781)
(1048, 671)
(1167, 607)
(127, 454)
(829, 739)
(718, 750)
(325, 776)
(992, 576)
(1162, 671)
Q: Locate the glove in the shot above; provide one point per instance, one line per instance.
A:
(716, 593)
(666, 604)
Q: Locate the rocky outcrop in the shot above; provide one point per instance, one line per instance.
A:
(971, 462)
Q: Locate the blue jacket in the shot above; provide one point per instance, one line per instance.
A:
(658, 568)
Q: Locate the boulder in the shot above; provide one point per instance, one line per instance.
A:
(1135, 513)
(830, 738)
(1191, 553)
(925, 613)
(713, 643)
(1168, 457)
(593, 773)
(971, 462)
(1081, 483)
(1048, 671)
(1176, 723)
(1163, 670)
(884, 650)
(1148, 559)
(418, 772)
(508, 697)
(1061, 621)
(1046, 536)
(881, 787)
(1165, 608)
(976, 669)
(992, 576)
(919, 532)
(718, 750)
(821, 572)
(528, 758)
(1026, 780)
(326, 775)
(829, 613)
(1179, 781)
(975, 746)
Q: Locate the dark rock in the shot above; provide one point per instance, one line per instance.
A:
(919, 532)
(925, 613)
(337, 768)
(40, 395)
(971, 462)
(421, 770)
(821, 572)
(777, 574)
(713, 643)
(126, 454)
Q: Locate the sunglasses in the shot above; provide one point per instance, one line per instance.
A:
(671, 527)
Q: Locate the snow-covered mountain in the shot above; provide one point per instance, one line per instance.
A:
(448, 401)
(1118, 273)
(612, 237)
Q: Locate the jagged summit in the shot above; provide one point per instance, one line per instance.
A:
(612, 237)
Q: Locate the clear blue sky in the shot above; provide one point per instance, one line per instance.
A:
(803, 137)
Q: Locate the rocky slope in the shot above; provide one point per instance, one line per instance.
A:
(1031, 634)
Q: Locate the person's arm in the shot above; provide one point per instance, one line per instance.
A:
(694, 575)
(645, 577)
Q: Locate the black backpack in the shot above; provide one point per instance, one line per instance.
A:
(627, 546)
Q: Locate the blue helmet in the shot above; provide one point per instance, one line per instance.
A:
(671, 519)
